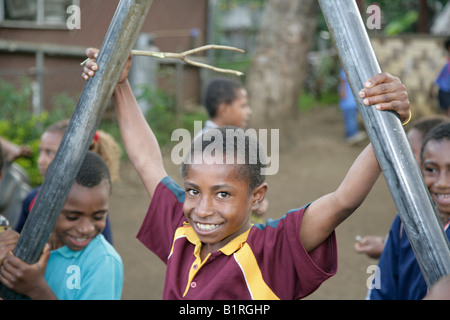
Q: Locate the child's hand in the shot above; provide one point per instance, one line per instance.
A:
(90, 66)
(8, 242)
(387, 93)
(24, 278)
(371, 245)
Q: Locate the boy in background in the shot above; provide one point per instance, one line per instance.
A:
(226, 102)
(372, 245)
(400, 275)
(77, 263)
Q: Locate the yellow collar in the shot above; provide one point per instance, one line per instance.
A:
(230, 248)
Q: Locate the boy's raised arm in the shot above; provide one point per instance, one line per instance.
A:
(138, 138)
(327, 212)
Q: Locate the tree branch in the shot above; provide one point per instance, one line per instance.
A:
(183, 56)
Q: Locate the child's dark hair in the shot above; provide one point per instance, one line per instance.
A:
(93, 171)
(218, 91)
(242, 145)
(424, 125)
(438, 133)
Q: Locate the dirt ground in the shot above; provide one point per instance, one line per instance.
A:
(314, 167)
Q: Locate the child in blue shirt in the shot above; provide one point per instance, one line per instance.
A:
(399, 272)
(77, 263)
(443, 82)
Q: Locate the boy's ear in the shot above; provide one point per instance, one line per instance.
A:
(258, 195)
(221, 109)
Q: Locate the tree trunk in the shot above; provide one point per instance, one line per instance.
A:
(277, 73)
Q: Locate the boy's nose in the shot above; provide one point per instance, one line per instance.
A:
(443, 180)
(204, 207)
(85, 227)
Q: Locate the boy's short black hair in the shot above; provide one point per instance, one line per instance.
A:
(424, 125)
(243, 145)
(438, 133)
(218, 91)
(93, 171)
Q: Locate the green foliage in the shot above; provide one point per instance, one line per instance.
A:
(164, 118)
(401, 24)
(308, 101)
(21, 126)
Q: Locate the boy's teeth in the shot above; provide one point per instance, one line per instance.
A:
(206, 227)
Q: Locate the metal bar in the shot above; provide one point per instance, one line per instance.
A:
(386, 133)
(115, 49)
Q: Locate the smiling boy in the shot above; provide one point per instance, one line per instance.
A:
(400, 275)
(81, 265)
(203, 232)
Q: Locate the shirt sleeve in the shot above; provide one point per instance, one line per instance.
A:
(287, 267)
(164, 216)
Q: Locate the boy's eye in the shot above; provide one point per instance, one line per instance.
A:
(192, 192)
(430, 169)
(100, 216)
(49, 153)
(223, 195)
(71, 218)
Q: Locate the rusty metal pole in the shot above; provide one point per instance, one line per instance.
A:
(386, 133)
(114, 51)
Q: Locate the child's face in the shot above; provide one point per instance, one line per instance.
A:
(238, 112)
(436, 172)
(83, 216)
(218, 204)
(48, 146)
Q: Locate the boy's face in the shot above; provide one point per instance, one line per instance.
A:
(218, 204)
(48, 146)
(436, 172)
(238, 112)
(83, 215)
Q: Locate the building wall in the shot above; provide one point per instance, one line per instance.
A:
(417, 61)
(170, 21)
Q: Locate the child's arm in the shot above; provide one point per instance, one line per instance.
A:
(138, 138)
(27, 279)
(326, 213)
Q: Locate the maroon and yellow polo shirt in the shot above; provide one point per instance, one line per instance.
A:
(268, 261)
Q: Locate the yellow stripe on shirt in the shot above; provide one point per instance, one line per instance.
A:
(246, 260)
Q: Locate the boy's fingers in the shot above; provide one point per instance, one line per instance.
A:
(400, 107)
(383, 88)
(89, 69)
(44, 257)
(379, 78)
(90, 64)
(92, 53)
(387, 93)
(11, 261)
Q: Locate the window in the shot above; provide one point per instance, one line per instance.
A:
(51, 14)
